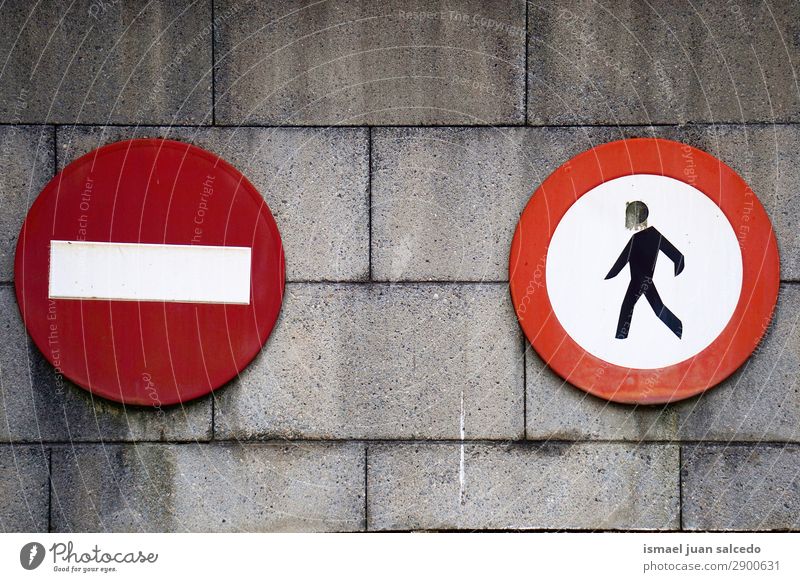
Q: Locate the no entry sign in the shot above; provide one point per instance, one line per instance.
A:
(149, 272)
(644, 271)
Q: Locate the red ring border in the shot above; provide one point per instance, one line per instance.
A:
(760, 270)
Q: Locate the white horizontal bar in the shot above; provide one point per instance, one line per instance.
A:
(149, 272)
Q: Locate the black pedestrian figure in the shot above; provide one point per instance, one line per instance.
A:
(642, 253)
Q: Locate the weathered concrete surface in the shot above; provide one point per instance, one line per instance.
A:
(136, 61)
(302, 487)
(672, 62)
(315, 182)
(446, 200)
(361, 62)
(741, 487)
(398, 310)
(380, 361)
(558, 410)
(24, 488)
(26, 158)
(557, 486)
(37, 404)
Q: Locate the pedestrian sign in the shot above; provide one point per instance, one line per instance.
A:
(644, 271)
(641, 253)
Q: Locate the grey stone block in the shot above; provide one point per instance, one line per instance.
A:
(315, 182)
(24, 489)
(38, 404)
(361, 62)
(630, 62)
(741, 487)
(26, 156)
(380, 361)
(209, 488)
(761, 401)
(552, 486)
(558, 410)
(136, 61)
(446, 201)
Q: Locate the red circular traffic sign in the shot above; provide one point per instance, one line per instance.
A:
(613, 175)
(149, 272)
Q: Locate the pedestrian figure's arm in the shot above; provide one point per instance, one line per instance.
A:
(674, 254)
(621, 261)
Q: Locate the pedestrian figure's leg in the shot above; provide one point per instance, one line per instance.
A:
(626, 311)
(664, 314)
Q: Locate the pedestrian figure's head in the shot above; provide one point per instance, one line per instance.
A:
(636, 215)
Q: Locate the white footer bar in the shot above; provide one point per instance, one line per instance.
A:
(397, 556)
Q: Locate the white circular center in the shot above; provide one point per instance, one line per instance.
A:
(591, 237)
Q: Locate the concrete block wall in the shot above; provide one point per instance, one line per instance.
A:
(396, 144)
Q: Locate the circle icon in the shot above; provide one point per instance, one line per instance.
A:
(644, 271)
(31, 555)
(149, 272)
